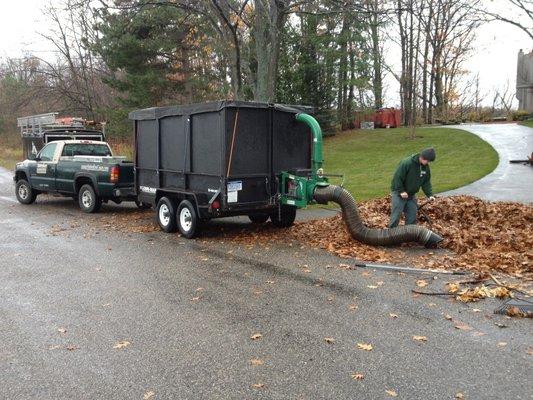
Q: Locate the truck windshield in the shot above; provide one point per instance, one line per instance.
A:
(86, 149)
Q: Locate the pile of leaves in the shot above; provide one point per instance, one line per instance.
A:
(479, 236)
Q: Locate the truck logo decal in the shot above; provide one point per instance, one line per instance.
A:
(148, 189)
(42, 168)
(92, 167)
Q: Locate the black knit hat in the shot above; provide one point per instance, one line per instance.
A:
(428, 154)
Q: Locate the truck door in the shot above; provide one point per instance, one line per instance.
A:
(43, 177)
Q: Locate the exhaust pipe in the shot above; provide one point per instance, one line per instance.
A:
(374, 237)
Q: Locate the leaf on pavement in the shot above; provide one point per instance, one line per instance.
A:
(502, 344)
(529, 351)
(121, 344)
(391, 393)
(352, 307)
(393, 315)
(459, 396)
(365, 346)
(256, 336)
(421, 283)
(329, 340)
(448, 317)
(357, 376)
(62, 330)
(195, 298)
(462, 326)
(71, 347)
(258, 385)
(372, 287)
(452, 287)
(420, 338)
(149, 395)
(256, 362)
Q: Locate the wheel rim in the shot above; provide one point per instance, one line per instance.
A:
(186, 219)
(23, 191)
(164, 215)
(86, 199)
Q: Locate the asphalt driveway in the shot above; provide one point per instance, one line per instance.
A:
(508, 182)
(88, 313)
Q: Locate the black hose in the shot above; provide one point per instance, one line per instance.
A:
(375, 237)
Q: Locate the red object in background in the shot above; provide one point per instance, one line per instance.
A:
(382, 118)
(390, 117)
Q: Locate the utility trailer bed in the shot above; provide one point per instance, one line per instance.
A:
(225, 153)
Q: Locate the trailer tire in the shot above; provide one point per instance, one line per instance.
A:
(187, 219)
(165, 213)
(88, 200)
(283, 218)
(24, 192)
(259, 218)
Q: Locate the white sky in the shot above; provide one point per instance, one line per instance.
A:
(497, 44)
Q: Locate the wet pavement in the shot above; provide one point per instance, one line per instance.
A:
(508, 182)
(91, 313)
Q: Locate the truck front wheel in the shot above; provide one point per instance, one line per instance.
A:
(165, 212)
(284, 217)
(25, 194)
(187, 219)
(88, 199)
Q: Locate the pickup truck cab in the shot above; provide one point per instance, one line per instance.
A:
(83, 169)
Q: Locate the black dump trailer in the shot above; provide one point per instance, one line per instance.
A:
(202, 161)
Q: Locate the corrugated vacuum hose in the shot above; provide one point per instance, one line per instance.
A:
(375, 237)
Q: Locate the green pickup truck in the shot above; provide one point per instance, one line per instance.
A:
(83, 169)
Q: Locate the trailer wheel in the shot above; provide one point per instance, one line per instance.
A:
(25, 194)
(258, 218)
(166, 214)
(187, 219)
(283, 218)
(88, 200)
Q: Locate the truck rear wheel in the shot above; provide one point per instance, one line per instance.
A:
(284, 217)
(25, 194)
(165, 212)
(187, 219)
(88, 200)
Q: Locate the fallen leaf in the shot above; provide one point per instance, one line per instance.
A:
(256, 336)
(372, 287)
(459, 396)
(478, 334)
(462, 326)
(329, 340)
(258, 385)
(391, 393)
(195, 298)
(365, 346)
(452, 287)
(352, 307)
(71, 347)
(256, 361)
(54, 347)
(421, 283)
(448, 317)
(62, 330)
(393, 315)
(476, 310)
(529, 351)
(420, 338)
(121, 344)
(502, 344)
(358, 377)
(149, 395)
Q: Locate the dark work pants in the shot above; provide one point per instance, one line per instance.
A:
(407, 206)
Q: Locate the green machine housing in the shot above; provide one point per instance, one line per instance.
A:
(297, 187)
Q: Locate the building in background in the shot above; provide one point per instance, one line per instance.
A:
(524, 81)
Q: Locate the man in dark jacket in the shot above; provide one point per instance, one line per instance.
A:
(412, 174)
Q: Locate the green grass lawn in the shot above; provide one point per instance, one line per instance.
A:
(368, 158)
(528, 123)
